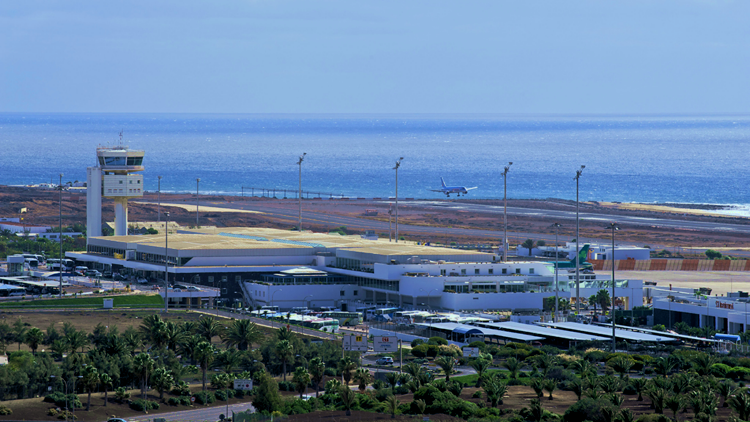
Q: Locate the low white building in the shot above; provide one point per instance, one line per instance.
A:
(725, 314)
(16, 227)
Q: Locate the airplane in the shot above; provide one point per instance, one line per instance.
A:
(582, 264)
(448, 190)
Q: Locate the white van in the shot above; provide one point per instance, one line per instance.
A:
(81, 270)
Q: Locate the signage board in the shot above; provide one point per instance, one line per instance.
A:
(386, 343)
(246, 385)
(355, 343)
(108, 303)
(471, 352)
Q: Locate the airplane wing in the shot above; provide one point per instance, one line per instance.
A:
(475, 187)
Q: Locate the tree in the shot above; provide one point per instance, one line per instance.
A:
(712, 254)
(663, 366)
(90, 382)
(481, 366)
(317, 370)
(446, 363)
(301, 380)
(603, 299)
(639, 385)
(740, 403)
(19, 332)
(266, 394)
(34, 337)
(143, 364)
(76, 340)
(726, 390)
(106, 382)
(162, 380)
(495, 390)
(209, 327)
(229, 360)
(549, 386)
(528, 244)
(347, 365)
(703, 363)
(363, 378)
(621, 365)
(242, 333)
(284, 351)
(392, 379)
(204, 354)
(347, 397)
(675, 403)
(390, 405)
(513, 365)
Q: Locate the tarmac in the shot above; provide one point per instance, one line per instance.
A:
(720, 282)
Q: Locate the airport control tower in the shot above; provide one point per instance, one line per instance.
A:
(114, 177)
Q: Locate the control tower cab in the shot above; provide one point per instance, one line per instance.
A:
(114, 177)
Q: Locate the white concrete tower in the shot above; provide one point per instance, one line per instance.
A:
(113, 178)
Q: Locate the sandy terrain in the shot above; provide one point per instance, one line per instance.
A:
(659, 208)
(721, 281)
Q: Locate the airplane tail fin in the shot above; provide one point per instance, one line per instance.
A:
(442, 181)
(582, 255)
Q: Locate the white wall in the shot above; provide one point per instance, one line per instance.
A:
(459, 301)
(290, 296)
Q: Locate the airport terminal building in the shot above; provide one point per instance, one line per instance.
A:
(259, 267)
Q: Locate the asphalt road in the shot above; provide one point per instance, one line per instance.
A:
(196, 415)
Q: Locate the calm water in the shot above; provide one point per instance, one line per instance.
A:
(697, 159)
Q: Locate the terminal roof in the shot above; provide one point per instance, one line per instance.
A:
(472, 329)
(604, 331)
(544, 331)
(655, 332)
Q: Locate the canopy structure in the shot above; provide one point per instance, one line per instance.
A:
(607, 331)
(548, 332)
(462, 332)
(655, 332)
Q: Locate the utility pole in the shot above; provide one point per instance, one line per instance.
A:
(158, 201)
(299, 197)
(398, 164)
(557, 284)
(505, 211)
(60, 236)
(197, 200)
(578, 263)
(166, 264)
(614, 227)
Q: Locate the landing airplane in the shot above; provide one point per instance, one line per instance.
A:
(448, 190)
(582, 264)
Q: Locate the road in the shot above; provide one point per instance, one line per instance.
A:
(196, 415)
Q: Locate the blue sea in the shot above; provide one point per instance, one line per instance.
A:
(691, 159)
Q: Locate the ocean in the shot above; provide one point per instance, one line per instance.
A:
(684, 158)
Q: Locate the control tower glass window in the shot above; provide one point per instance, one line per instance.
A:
(114, 161)
(135, 161)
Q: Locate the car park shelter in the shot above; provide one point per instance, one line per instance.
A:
(552, 334)
(607, 331)
(463, 333)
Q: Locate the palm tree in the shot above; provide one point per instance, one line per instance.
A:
(60, 347)
(703, 364)
(537, 384)
(621, 365)
(204, 354)
(545, 362)
(726, 389)
(663, 366)
(162, 380)
(446, 363)
(77, 340)
(513, 365)
(576, 386)
(494, 390)
(625, 415)
(536, 411)
(106, 382)
(675, 403)
(34, 337)
(132, 339)
(230, 359)
(363, 378)
(188, 346)
(301, 380)
(347, 397)
(19, 332)
(390, 405)
(284, 351)
(549, 386)
(242, 334)
(90, 382)
(481, 366)
(347, 365)
(143, 364)
(658, 397)
(639, 384)
(392, 379)
(317, 370)
(173, 335)
(209, 327)
(740, 403)
(284, 334)
(584, 368)
(528, 244)
(153, 329)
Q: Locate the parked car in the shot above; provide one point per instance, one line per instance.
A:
(194, 289)
(141, 280)
(93, 273)
(384, 361)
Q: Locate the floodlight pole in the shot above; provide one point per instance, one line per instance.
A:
(61, 239)
(398, 164)
(299, 197)
(557, 285)
(197, 200)
(578, 263)
(505, 211)
(390, 228)
(158, 201)
(166, 264)
(614, 227)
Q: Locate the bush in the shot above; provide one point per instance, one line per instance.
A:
(296, 406)
(181, 389)
(477, 394)
(629, 390)
(239, 393)
(331, 372)
(205, 397)
(286, 386)
(221, 395)
(437, 341)
(416, 342)
(140, 405)
(654, 417)
(5, 410)
(59, 399)
(121, 394)
(401, 389)
(174, 401)
(425, 350)
(586, 409)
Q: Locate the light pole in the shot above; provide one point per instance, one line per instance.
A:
(158, 200)
(390, 229)
(398, 164)
(299, 197)
(166, 263)
(578, 263)
(557, 285)
(197, 199)
(66, 393)
(613, 227)
(505, 211)
(304, 301)
(60, 237)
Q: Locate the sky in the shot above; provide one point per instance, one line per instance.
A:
(278, 56)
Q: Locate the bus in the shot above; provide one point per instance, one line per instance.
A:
(54, 264)
(31, 263)
(330, 325)
(345, 318)
(371, 313)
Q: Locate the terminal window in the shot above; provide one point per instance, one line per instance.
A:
(476, 271)
(492, 271)
(355, 292)
(505, 271)
(518, 271)
(463, 271)
(442, 272)
(342, 293)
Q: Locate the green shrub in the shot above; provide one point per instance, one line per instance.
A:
(477, 394)
(286, 386)
(629, 390)
(59, 399)
(654, 417)
(437, 341)
(186, 401)
(5, 410)
(416, 342)
(586, 409)
(239, 393)
(331, 372)
(174, 401)
(224, 395)
(140, 405)
(425, 350)
(181, 389)
(205, 397)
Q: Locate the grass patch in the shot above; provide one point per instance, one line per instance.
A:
(128, 301)
(472, 379)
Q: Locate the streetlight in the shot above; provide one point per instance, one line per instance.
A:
(60, 236)
(398, 164)
(390, 229)
(429, 306)
(304, 301)
(197, 199)
(557, 285)
(158, 200)
(166, 264)
(578, 264)
(272, 295)
(299, 197)
(505, 211)
(66, 393)
(613, 227)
